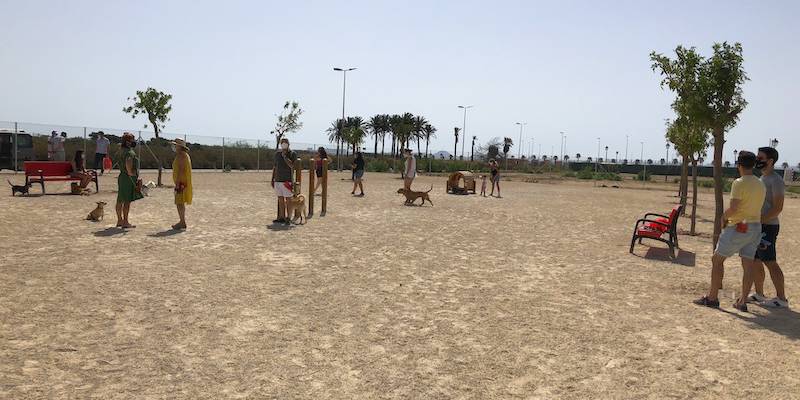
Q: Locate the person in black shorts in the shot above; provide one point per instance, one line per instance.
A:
(770, 227)
(495, 170)
(321, 155)
(358, 173)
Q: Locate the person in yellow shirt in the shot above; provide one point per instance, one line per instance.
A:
(741, 232)
(182, 177)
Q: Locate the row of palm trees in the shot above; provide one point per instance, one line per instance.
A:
(402, 129)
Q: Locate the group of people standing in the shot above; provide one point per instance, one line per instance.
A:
(750, 228)
(130, 185)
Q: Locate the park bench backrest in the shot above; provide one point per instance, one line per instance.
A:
(47, 168)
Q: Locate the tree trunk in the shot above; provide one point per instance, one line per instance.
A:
(427, 142)
(160, 167)
(683, 190)
(418, 146)
(694, 197)
(393, 143)
(455, 149)
(719, 144)
(375, 153)
(383, 144)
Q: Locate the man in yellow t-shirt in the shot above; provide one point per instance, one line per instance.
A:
(741, 232)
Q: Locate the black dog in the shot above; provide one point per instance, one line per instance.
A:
(23, 189)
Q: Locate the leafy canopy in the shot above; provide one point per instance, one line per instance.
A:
(152, 103)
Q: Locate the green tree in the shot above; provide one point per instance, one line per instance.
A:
(690, 142)
(418, 130)
(378, 125)
(709, 93)
(155, 105)
(288, 121)
(335, 133)
(354, 132)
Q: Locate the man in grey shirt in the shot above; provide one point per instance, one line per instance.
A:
(770, 226)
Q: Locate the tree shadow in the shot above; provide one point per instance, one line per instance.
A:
(112, 231)
(784, 322)
(166, 233)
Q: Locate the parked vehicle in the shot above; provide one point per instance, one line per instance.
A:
(24, 149)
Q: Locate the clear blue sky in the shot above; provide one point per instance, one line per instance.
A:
(576, 66)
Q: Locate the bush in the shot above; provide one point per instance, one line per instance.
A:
(643, 176)
(607, 176)
(586, 173)
(378, 166)
(726, 184)
(793, 189)
(570, 174)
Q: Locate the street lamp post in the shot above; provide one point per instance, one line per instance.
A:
(644, 167)
(666, 162)
(562, 145)
(606, 158)
(626, 147)
(344, 72)
(519, 148)
(463, 130)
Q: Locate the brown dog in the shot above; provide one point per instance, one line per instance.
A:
(412, 196)
(297, 203)
(98, 213)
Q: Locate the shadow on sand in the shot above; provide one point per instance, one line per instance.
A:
(784, 322)
(108, 232)
(280, 227)
(166, 233)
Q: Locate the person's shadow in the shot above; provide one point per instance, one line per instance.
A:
(280, 227)
(112, 231)
(166, 233)
(782, 321)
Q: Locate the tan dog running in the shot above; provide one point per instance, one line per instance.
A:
(412, 196)
(98, 213)
(298, 203)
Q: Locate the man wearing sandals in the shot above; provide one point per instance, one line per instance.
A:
(741, 232)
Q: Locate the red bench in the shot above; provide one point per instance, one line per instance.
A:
(41, 171)
(663, 228)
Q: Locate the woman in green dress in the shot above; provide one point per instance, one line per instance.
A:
(126, 182)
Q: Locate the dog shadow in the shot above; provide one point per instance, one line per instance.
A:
(166, 233)
(112, 231)
(685, 258)
(280, 227)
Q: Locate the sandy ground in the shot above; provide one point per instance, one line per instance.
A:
(532, 296)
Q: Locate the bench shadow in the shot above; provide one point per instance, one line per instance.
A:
(166, 233)
(785, 322)
(685, 258)
(108, 232)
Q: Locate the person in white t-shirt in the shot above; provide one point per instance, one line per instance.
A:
(51, 145)
(410, 170)
(101, 150)
(58, 147)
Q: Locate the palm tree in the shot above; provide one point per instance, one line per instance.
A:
(419, 130)
(578, 157)
(455, 147)
(354, 131)
(377, 125)
(335, 133)
(472, 153)
(507, 144)
(429, 131)
(408, 129)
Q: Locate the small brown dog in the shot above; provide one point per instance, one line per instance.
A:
(297, 203)
(98, 213)
(412, 196)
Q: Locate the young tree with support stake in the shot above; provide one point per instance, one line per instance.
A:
(288, 121)
(709, 93)
(691, 143)
(154, 104)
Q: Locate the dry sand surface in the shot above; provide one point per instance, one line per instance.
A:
(532, 296)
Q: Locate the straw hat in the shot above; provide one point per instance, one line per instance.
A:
(180, 143)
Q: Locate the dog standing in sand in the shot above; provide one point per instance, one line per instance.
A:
(412, 196)
(21, 189)
(98, 213)
(297, 202)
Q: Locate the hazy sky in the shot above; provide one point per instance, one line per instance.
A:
(576, 66)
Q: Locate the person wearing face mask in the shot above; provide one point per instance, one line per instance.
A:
(182, 177)
(770, 226)
(741, 233)
(410, 169)
(282, 179)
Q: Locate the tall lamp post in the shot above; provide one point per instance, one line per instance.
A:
(626, 148)
(519, 147)
(344, 72)
(562, 145)
(463, 129)
(644, 167)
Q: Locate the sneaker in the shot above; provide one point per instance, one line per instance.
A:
(705, 301)
(757, 298)
(775, 303)
(741, 307)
